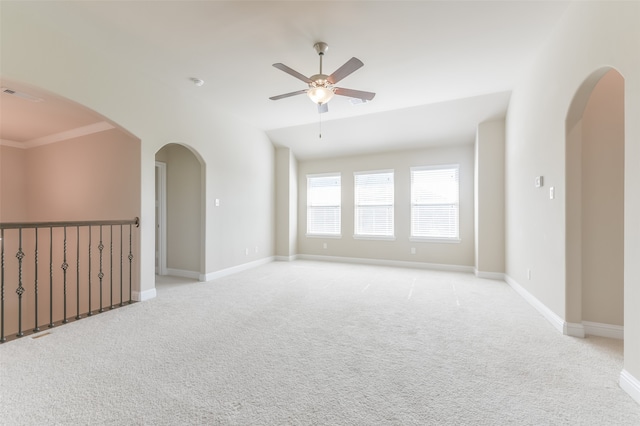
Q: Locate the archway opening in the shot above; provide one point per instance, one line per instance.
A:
(180, 214)
(595, 207)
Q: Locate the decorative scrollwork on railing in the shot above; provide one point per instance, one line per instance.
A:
(21, 309)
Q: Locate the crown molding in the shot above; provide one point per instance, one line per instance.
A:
(59, 137)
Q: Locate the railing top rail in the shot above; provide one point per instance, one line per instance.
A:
(18, 225)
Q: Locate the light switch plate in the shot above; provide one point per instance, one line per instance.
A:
(552, 193)
(539, 181)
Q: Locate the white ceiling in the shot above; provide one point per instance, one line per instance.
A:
(438, 68)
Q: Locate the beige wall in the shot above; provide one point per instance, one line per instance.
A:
(94, 177)
(489, 197)
(590, 37)
(13, 184)
(286, 203)
(459, 254)
(603, 202)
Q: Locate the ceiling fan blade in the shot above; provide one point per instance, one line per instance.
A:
(358, 94)
(292, 72)
(322, 108)
(287, 95)
(350, 66)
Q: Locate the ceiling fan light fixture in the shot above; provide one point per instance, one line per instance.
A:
(320, 94)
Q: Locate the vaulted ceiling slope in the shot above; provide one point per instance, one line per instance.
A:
(438, 68)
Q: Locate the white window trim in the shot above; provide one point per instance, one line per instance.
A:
(368, 236)
(451, 240)
(375, 237)
(319, 175)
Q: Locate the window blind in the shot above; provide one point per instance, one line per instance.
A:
(323, 205)
(435, 202)
(373, 196)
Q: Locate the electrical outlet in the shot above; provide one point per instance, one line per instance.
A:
(246, 252)
(324, 245)
(413, 250)
(529, 274)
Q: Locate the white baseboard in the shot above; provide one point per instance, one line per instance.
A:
(286, 258)
(183, 273)
(235, 269)
(630, 385)
(141, 296)
(385, 262)
(574, 329)
(489, 275)
(603, 330)
(568, 328)
(551, 316)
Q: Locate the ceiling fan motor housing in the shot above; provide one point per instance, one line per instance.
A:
(321, 47)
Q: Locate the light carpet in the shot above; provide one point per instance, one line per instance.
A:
(315, 343)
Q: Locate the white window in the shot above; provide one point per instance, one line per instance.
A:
(435, 203)
(323, 205)
(373, 197)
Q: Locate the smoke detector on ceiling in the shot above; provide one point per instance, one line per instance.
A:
(21, 95)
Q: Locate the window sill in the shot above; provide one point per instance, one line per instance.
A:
(436, 240)
(333, 236)
(375, 237)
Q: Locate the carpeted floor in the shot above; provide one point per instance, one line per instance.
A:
(313, 343)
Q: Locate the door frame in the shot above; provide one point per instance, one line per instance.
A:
(161, 217)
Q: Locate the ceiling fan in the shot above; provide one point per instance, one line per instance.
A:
(321, 86)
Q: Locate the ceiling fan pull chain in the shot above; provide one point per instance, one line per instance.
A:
(319, 125)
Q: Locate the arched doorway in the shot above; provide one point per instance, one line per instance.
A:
(180, 212)
(595, 207)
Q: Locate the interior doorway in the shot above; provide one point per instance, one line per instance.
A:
(180, 213)
(595, 207)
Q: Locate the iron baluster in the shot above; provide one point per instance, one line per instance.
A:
(111, 266)
(35, 284)
(78, 273)
(51, 324)
(2, 338)
(130, 260)
(20, 290)
(101, 274)
(121, 303)
(89, 313)
(64, 267)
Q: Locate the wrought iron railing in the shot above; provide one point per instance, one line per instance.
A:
(38, 286)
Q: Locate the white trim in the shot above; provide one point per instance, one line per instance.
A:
(183, 273)
(452, 240)
(286, 258)
(630, 385)
(373, 172)
(12, 144)
(385, 262)
(332, 236)
(144, 295)
(489, 275)
(161, 190)
(235, 269)
(551, 316)
(603, 330)
(69, 134)
(573, 329)
(375, 237)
